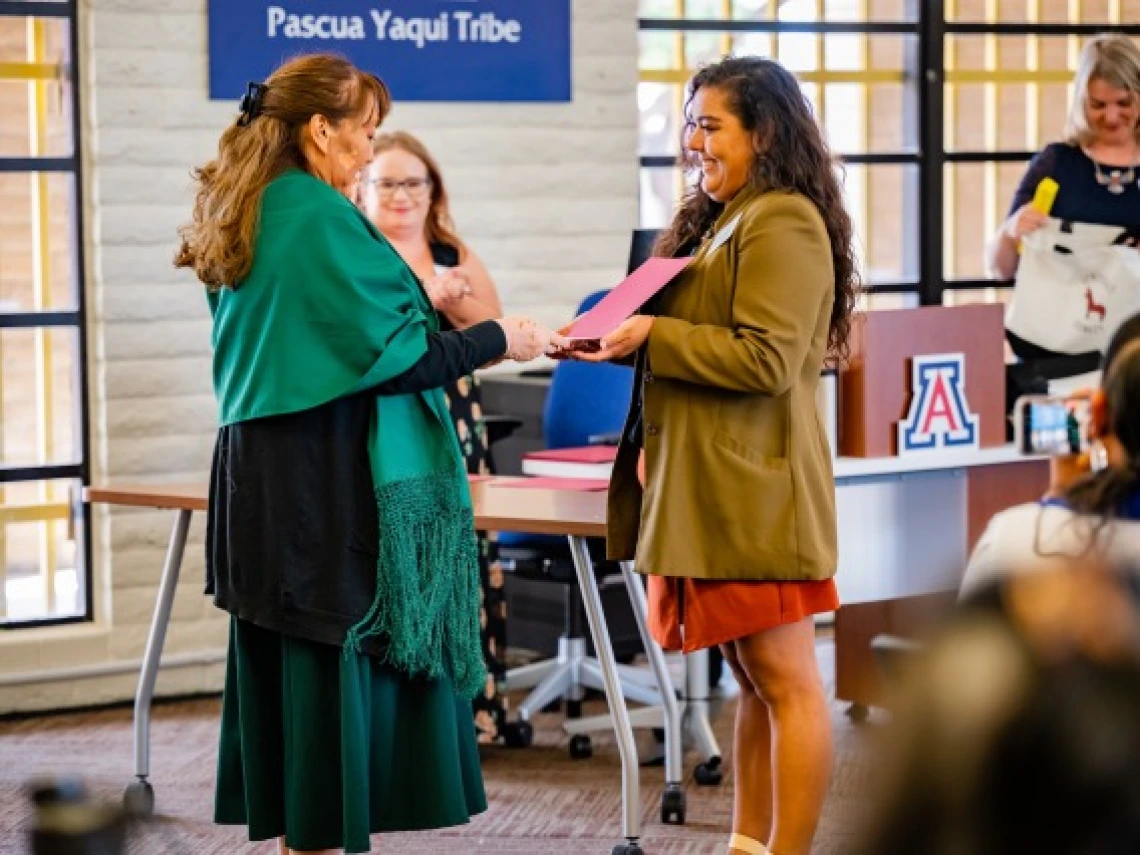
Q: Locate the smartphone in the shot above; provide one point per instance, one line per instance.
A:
(1049, 425)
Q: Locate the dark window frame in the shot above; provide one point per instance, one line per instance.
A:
(61, 319)
(924, 123)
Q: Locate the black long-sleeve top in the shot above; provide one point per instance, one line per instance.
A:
(292, 529)
(451, 354)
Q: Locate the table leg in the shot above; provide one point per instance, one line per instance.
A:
(707, 772)
(139, 797)
(673, 799)
(627, 747)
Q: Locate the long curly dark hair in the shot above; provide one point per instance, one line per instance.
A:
(1104, 493)
(768, 101)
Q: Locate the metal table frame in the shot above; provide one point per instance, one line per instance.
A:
(139, 795)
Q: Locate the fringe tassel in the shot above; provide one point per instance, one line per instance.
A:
(427, 584)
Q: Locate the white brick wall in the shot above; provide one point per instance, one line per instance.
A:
(546, 194)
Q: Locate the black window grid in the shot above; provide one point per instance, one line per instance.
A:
(66, 319)
(925, 83)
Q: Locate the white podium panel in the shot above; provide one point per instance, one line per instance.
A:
(900, 535)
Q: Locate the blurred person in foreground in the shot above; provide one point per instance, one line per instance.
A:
(1018, 729)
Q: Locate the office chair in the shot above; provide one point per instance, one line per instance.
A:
(586, 401)
(641, 247)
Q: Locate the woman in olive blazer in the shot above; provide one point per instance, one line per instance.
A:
(739, 483)
(722, 491)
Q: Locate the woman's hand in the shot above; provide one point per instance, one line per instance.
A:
(448, 288)
(1025, 220)
(527, 340)
(568, 349)
(623, 341)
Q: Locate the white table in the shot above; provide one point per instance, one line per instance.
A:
(906, 526)
(902, 520)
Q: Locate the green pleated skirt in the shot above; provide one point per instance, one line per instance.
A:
(324, 749)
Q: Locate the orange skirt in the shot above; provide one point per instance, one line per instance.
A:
(692, 614)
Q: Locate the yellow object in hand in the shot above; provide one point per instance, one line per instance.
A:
(1045, 195)
(1043, 199)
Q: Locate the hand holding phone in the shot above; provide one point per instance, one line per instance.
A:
(1051, 425)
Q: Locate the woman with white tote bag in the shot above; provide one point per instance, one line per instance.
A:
(1077, 275)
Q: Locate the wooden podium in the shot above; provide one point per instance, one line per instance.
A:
(875, 394)
(876, 382)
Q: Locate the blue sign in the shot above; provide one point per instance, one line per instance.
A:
(425, 50)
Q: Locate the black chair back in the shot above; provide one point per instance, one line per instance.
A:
(641, 247)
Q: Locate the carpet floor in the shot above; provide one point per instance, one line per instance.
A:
(541, 801)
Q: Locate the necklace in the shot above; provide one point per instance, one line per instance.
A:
(1112, 179)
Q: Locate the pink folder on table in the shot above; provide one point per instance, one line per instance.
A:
(585, 454)
(629, 296)
(587, 485)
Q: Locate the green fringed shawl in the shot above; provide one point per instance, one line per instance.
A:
(330, 309)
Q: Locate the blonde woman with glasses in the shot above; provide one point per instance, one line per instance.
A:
(403, 194)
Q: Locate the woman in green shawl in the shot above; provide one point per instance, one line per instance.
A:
(340, 535)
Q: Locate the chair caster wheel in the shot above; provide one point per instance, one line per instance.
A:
(138, 800)
(673, 805)
(708, 774)
(858, 713)
(580, 747)
(518, 734)
(627, 849)
(573, 709)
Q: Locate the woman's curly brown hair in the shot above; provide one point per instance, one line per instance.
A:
(768, 101)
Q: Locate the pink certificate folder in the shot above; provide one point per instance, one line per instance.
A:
(585, 454)
(584, 485)
(629, 296)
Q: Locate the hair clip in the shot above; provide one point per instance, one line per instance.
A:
(251, 103)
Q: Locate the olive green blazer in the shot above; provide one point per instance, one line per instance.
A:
(739, 472)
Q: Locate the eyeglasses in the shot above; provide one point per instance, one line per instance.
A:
(416, 188)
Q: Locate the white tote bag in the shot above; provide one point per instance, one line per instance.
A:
(1075, 284)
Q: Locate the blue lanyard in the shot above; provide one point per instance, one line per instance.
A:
(1129, 509)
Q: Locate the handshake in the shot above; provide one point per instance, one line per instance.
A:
(527, 339)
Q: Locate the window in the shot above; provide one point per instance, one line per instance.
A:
(44, 549)
(934, 107)
(850, 57)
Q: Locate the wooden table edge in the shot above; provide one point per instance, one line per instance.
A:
(189, 497)
(160, 496)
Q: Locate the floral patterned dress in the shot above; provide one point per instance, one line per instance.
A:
(463, 400)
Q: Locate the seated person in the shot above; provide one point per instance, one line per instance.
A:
(1016, 730)
(1094, 500)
